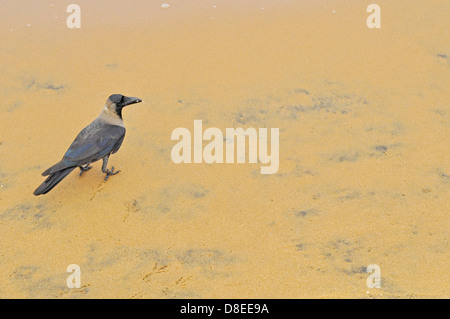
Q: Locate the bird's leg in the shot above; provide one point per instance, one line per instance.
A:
(105, 170)
(84, 168)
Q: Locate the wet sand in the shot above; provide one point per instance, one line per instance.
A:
(364, 173)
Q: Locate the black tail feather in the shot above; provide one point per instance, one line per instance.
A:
(58, 167)
(52, 181)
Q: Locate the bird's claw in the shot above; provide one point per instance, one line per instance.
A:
(110, 172)
(84, 169)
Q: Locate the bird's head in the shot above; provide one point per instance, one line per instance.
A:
(117, 102)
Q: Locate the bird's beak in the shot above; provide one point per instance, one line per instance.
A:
(130, 100)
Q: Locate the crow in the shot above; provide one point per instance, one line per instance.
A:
(98, 140)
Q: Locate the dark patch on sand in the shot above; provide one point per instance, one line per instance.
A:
(356, 270)
(26, 279)
(341, 250)
(53, 87)
(305, 212)
(381, 148)
(24, 273)
(353, 195)
(112, 65)
(36, 215)
(244, 118)
(301, 91)
(443, 176)
(170, 197)
(348, 156)
(48, 85)
(15, 106)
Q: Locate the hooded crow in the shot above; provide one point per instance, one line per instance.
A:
(98, 140)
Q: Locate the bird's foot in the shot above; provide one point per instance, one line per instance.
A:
(84, 169)
(110, 172)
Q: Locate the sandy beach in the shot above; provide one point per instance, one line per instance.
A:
(364, 158)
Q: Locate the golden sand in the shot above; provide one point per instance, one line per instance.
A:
(364, 173)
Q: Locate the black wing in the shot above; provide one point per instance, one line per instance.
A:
(93, 143)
